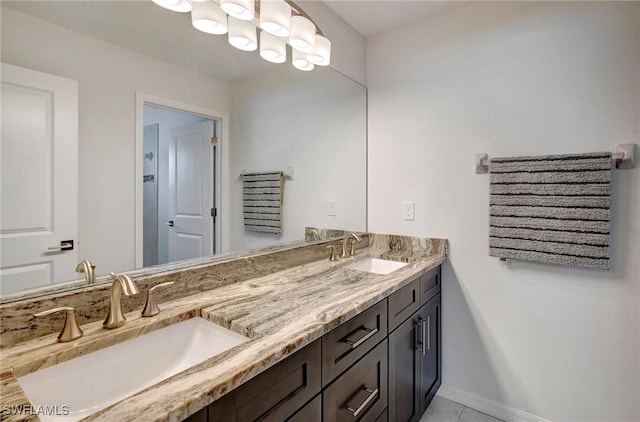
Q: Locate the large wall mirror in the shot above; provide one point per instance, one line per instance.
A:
(128, 134)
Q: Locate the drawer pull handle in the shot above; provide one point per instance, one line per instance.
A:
(356, 412)
(370, 333)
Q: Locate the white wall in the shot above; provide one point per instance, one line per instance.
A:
(515, 78)
(314, 122)
(108, 78)
(348, 47)
(167, 120)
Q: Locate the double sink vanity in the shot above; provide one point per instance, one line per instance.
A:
(290, 335)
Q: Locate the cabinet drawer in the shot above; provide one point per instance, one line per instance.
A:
(403, 303)
(429, 285)
(311, 412)
(276, 394)
(360, 394)
(350, 341)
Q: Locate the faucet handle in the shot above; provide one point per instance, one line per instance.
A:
(151, 306)
(352, 252)
(70, 331)
(332, 253)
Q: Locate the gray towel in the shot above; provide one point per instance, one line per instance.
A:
(262, 201)
(552, 209)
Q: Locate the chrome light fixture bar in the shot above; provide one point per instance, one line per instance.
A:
(281, 22)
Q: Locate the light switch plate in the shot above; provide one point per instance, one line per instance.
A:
(332, 208)
(408, 211)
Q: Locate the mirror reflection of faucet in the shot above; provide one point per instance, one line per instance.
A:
(312, 233)
(85, 266)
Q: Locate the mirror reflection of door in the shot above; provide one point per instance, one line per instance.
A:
(178, 220)
(39, 194)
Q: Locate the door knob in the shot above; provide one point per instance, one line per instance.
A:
(170, 223)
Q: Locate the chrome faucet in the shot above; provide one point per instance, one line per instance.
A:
(85, 266)
(356, 238)
(121, 284)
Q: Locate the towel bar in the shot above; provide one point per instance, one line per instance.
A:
(288, 173)
(624, 157)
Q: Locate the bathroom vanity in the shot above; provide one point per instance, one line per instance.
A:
(326, 341)
(383, 364)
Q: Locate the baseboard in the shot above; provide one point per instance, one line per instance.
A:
(490, 407)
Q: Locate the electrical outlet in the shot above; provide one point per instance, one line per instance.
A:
(332, 208)
(408, 211)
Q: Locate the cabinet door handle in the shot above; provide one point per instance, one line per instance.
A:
(421, 347)
(370, 333)
(356, 412)
(428, 337)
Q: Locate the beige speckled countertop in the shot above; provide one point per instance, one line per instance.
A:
(280, 313)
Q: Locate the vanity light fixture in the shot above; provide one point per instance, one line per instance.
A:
(282, 22)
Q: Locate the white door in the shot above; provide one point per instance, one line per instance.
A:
(191, 191)
(39, 186)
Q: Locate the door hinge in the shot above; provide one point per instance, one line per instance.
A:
(214, 212)
(214, 142)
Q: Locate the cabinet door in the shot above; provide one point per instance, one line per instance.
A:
(404, 372)
(276, 394)
(429, 351)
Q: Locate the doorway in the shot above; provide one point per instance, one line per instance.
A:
(178, 161)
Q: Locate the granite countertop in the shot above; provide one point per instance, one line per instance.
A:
(280, 313)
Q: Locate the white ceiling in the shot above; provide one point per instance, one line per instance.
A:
(373, 17)
(169, 36)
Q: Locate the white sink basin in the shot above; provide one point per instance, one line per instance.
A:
(95, 381)
(377, 266)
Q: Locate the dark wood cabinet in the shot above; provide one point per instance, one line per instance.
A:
(382, 365)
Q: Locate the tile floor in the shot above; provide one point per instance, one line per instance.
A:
(444, 410)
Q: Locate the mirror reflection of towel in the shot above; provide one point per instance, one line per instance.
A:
(262, 201)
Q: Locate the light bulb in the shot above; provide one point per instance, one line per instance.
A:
(182, 6)
(239, 9)
(321, 54)
(302, 34)
(272, 49)
(275, 17)
(208, 17)
(300, 61)
(242, 34)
